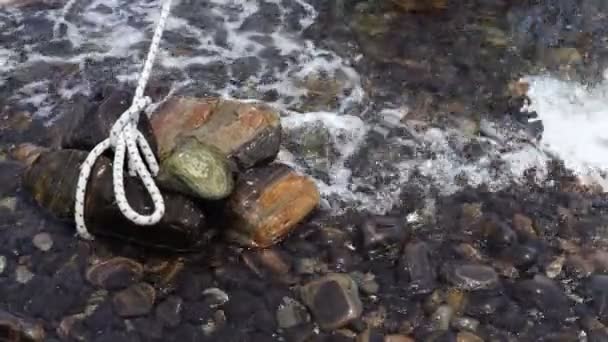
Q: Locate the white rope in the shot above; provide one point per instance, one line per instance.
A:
(125, 138)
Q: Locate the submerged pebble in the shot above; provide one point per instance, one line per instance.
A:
(333, 300)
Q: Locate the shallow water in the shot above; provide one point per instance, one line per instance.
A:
(391, 112)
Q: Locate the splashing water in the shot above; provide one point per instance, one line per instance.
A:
(255, 50)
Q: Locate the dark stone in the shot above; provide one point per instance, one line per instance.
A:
(9, 177)
(15, 328)
(169, 311)
(300, 333)
(103, 318)
(148, 328)
(136, 300)
(334, 300)
(509, 317)
(597, 290)
(545, 295)
(190, 286)
(197, 312)
(235, 309)
(330, 302)
(115, 274)
(523, 256)
(117, 336)
(383, 231)
(188, 333)
(417, 268)
(484, 303)
(87, 131)
(500, 236)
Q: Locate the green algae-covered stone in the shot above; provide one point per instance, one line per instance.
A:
(197, 169)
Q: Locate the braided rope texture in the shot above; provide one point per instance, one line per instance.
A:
(127, 141)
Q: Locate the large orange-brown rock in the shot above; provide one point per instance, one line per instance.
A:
(249, 133)
(268, 202)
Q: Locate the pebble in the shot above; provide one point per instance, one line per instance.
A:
(16, 329)
(480, 304)
(382, 232)
(291, 313)
(554, 268)
(579, 267)
(43, 241)
(333, 300)
(114, 274)
(148, 328)
(545, 295)
(375, 318)
(215, 297)
(499, 235)
(596, 287)
(469, 252)
(23, 275)
(215, 323)
(417, 267)
(523, 225)
(136, 300)
(465, 324)
(9, 203)
(369, 335)
(398, 338)
(471, 276)
(442, 317)
(523, 256)
(169, 312)
(367, 282)
(465, 336)
(2, 264)
(456, 299)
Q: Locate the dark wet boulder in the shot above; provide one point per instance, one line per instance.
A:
(95, 121)
(51, 179)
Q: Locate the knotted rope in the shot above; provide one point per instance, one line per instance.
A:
(125, 138)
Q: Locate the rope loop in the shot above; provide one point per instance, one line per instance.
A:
(127, 143)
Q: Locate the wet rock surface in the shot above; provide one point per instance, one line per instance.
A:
(526, 262)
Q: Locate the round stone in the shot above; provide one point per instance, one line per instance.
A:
(2, 263)
(472, 276)
(43, 241)
(23, 275)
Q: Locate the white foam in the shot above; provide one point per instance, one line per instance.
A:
(575, 119)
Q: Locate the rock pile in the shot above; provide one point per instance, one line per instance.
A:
(218, 174)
